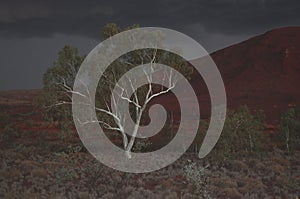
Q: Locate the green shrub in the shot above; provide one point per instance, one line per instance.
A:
(7, 127)
(65, 174)
(141, 145)
(54, 104)
(242, 133)
(196, 145)
(290, 129)
(4, 119)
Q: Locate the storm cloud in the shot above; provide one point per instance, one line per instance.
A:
(32, 18)
(45, 26)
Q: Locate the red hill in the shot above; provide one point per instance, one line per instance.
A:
(262, 72)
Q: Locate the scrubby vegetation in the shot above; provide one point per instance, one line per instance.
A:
(7, 126)
(242, 132)
(39, 164)
(290, 129)
(198, 175)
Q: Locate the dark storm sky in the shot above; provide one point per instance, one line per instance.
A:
(32, 31)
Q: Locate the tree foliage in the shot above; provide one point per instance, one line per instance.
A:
(119, 68)
(59, 79)
(62, 73)
(290, 129)
(242, 132)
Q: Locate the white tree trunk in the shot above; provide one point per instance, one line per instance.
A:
(128, 154)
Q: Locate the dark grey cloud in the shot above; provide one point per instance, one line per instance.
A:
(43, 18)
(24, 61)
(32, 31)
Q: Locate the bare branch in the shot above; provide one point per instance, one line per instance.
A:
(108, 113)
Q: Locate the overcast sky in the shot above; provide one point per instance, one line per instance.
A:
(32, 31)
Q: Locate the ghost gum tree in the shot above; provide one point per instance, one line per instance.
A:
(59, 80)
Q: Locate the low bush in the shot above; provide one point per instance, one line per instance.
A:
(7, 127)
(198, 175)
(142, 145)
(5, 119)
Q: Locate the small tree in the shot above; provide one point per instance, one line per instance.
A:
(242, 132)
(62, 74)
(59, 82)
(290, 129)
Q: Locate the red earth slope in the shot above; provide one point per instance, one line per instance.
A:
(262, 72)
